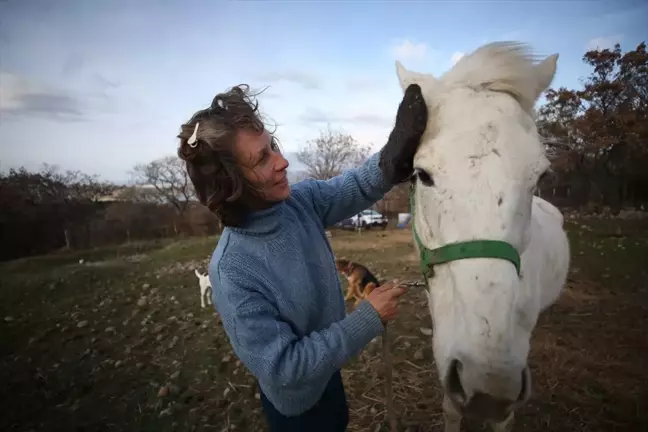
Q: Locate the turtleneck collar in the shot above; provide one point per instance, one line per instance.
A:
(263, 222)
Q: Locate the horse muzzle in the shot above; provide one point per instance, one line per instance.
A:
(485, 393)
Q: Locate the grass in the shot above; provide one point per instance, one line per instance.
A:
(120, 343)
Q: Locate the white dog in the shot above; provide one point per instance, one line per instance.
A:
(205, 288)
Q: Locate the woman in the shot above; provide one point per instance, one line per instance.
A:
(276, 287)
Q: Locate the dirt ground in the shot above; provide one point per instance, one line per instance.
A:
(119, 342)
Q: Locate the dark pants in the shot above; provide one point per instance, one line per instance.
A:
(330, 413)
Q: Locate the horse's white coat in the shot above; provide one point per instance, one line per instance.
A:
(483, 153)
(205, 289)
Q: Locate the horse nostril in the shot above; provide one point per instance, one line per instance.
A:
(453, 383)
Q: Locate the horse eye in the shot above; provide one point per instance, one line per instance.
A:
(424, 177)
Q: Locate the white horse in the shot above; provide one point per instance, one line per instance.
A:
(495, 256)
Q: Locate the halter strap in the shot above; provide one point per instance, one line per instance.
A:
(428, 258)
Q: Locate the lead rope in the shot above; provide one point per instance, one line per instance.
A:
(386, 351)
(389, 399)
(387, 361)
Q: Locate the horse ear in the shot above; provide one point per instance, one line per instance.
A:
(545, 72)
(407, 77)
(403, 75)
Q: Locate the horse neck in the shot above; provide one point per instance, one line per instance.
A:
(544, 278)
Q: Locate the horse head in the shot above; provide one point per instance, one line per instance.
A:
(476, 171)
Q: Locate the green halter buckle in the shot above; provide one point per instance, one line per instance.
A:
(461, 250)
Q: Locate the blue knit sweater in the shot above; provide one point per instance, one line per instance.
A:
(278, 293)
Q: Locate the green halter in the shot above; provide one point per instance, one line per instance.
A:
(455, 251)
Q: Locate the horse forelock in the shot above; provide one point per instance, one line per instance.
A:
(506, 67)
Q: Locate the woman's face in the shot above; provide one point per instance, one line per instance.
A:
(262, 163)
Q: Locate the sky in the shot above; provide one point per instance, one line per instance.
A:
(100, 86)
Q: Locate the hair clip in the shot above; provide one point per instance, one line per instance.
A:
(218, 106)
(193, 140)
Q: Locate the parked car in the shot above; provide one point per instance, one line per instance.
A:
(369, 219)
(365, 219)
(346, 224)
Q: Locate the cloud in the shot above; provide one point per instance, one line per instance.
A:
(304, 79)
(73, 64)
(603, 42)
(456, 56)
(369, 119)
(362, 84)
(104, 83)
(408, 50)
(23, 97)
(295, 164)
(268, 95)
(317, 116)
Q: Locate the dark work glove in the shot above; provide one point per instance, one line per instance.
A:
(397, 156)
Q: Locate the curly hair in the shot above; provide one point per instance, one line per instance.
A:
(218, 180)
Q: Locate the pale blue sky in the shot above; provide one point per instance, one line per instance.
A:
(102, 85)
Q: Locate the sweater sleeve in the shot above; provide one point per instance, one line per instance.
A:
(347, 194)
(270, 349)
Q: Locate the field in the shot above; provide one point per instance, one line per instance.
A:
(120, 343)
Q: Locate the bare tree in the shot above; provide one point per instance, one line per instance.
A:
(76, 184)
(331, 153)
(168, 181)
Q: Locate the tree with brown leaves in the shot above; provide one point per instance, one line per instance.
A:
(597, 136)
